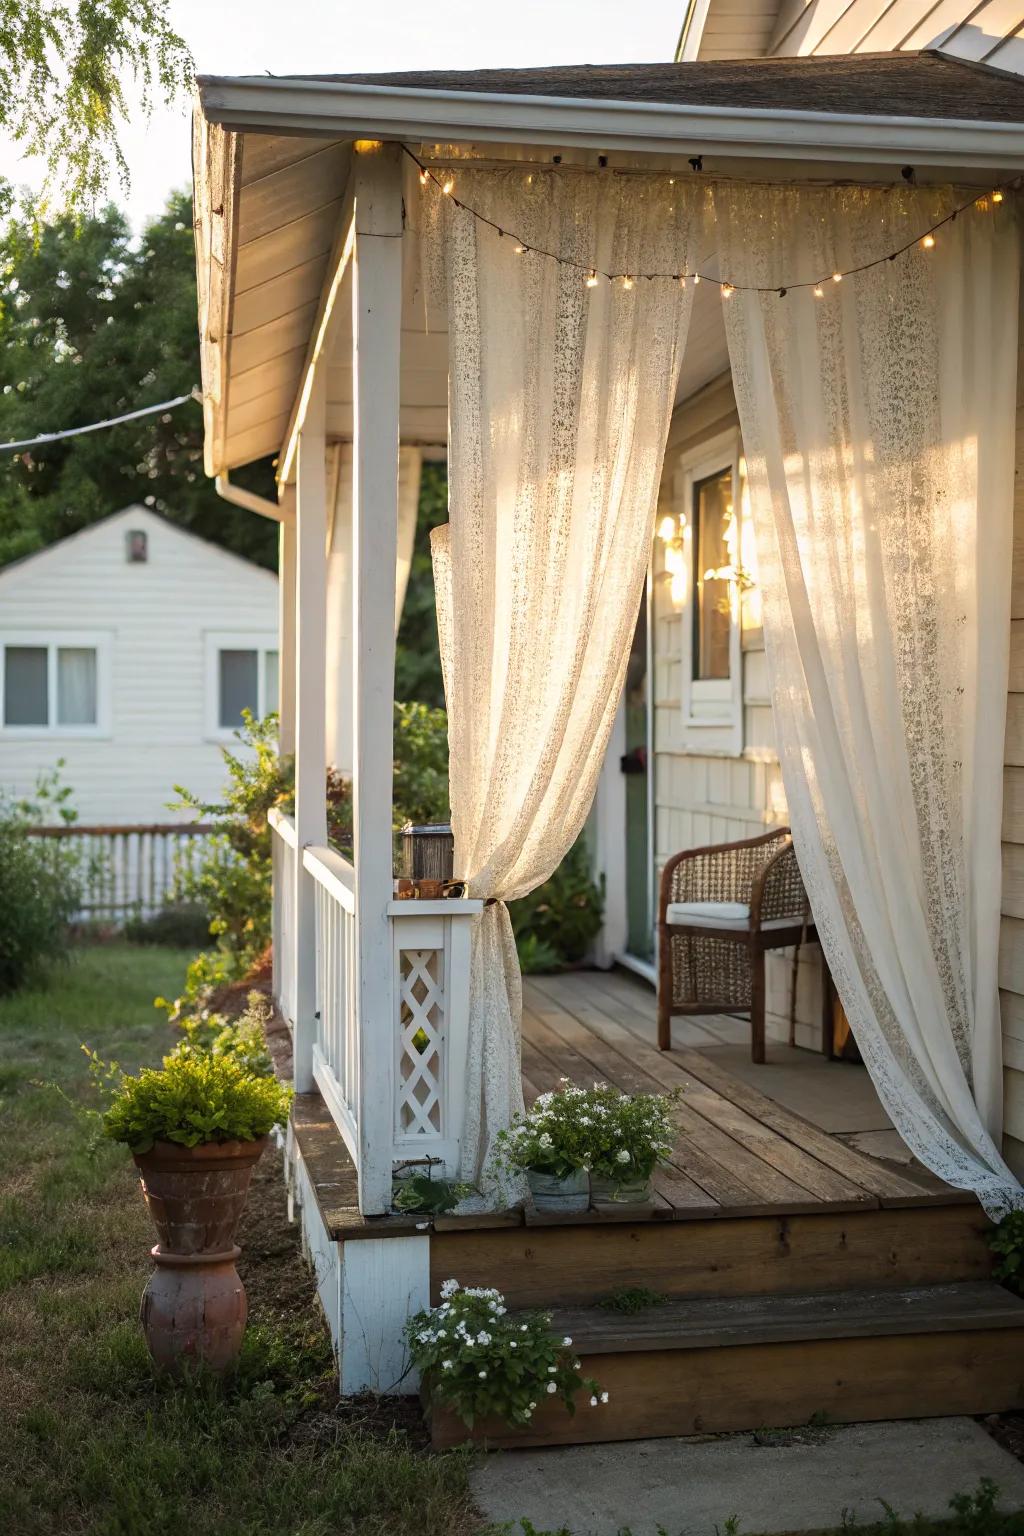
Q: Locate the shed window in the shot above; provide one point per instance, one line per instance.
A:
(244, 677)
(50, 686)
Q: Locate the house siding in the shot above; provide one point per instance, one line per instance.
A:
(718, 797)
(156, 616)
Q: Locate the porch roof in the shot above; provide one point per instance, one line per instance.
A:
(272, 157)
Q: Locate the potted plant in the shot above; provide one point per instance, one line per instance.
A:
(633, 1133)
(482, 1367)
(552, 1144)
(196, 1128)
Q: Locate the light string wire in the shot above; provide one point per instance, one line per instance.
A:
(926, 240)
(98, 426)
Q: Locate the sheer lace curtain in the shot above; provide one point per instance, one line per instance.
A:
(560, 396)
(878, 427)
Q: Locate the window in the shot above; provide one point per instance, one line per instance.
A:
(52, 685)
(242, 674)
(712, 611)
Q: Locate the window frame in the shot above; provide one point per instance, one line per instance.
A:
(52, 641)
(710, 703)
(261, 641)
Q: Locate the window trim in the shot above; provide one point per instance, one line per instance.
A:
(54, 640)
(711, 703)
(217, 640)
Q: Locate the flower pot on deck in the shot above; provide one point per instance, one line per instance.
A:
(608, 1191)
(559, 1195)
(194, 1308)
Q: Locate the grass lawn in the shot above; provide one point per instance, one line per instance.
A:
(89, 1440)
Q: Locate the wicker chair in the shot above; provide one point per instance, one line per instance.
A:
(720, 910)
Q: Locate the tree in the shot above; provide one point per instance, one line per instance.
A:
(417, 660)
(62, 70)
(94, 324)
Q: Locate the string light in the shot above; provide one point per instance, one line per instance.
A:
(592, 275)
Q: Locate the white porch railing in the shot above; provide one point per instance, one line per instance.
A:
(415, 1041)
(282, 847)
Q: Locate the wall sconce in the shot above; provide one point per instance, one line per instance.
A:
(672, 533)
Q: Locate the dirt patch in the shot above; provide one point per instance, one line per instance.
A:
(1007, 1429)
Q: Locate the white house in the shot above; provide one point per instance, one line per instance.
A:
(129, 650)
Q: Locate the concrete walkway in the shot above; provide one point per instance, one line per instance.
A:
(694, 1486)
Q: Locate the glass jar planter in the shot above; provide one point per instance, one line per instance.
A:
(634, 1189)
(556, 1194)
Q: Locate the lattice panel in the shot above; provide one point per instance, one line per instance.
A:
(421, 1046)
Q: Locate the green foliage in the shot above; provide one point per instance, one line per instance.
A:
(477, 1360)
(1007, 1243)
(63, 64)
(422, 1193)
(417, 659)
(94, 323)
(536, 956)
(421, 764)
(629, 1300)
(41, 881)
(177, 925)
(618, 1135)
(233, 880)
(563, 915)
(195, 1098)
(242, 1039)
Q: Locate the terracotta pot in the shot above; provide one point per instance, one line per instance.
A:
(194, 1307)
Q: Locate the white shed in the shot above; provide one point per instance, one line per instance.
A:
(128, 650)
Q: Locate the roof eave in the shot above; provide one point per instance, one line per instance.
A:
(269, 105)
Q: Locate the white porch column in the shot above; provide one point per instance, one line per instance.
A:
(286, 624)
(310, 766)
(339, 617)
(376, 334)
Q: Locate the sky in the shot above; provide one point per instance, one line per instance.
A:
(247, 37)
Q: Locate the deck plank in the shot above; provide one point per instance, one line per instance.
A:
(765, 1183)
(797, 1166)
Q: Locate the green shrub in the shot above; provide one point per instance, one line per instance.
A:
(421, 764)
(1007, 1243)
(196, 1097)
(242, 1039)
(41, 882)
(178, 925)
(562, 917)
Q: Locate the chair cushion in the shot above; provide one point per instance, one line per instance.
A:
(732, 916)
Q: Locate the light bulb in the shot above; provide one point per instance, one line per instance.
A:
(727, 290)
(667, 529)
(424, 178)
(997, 196)
(819, 292)
(928, 241)
(627, 282)
(696, 278)
(682, 279)
(449, 187)
(837, 277)
(520, 250)
(591, 279)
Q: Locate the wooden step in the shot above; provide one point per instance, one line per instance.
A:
(726, 1256)
(692, 1367)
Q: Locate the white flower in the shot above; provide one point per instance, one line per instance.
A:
(523, 1328)
(446, 1365)
(544, 1140)
(552, 1369)
(622, 1156)
(604, 1397)
(481, 1374)
(552, 1386)
(567, 1341)
(483, 1338)
(448, 1288)
(593, 1402)
(532, 1407)
(512, 1344)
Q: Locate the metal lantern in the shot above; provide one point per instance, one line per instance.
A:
(428, 852)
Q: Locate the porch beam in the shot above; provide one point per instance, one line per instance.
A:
(310, 753)
(376, 335)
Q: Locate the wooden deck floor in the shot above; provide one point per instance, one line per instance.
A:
(739, 1152)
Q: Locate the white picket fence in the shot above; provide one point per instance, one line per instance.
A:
(394, 1082)
(128, 871)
